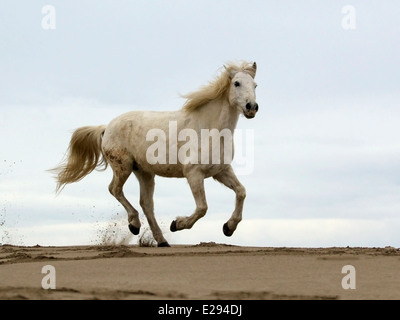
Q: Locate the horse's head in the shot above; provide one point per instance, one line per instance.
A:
(242, 93)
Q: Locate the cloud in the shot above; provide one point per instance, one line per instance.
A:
(296, 232)
(337, 162)
(250, 232)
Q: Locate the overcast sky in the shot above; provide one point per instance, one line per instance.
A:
(326, 138)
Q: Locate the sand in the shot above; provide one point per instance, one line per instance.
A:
(207, 271)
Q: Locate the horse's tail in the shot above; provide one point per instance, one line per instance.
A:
(83, 156)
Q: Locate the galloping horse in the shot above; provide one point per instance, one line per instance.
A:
(138, 141)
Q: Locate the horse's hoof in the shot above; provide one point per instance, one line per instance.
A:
(133, 229)
(226, 230)
(163, 244)
(173, 226)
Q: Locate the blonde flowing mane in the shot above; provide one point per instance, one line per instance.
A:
(217, 88)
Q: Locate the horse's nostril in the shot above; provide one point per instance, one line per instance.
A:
(256, 107)
(248, 106)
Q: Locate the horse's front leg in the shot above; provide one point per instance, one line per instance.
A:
(229, 179)
(196, 183)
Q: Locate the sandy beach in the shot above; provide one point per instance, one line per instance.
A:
(206, 271)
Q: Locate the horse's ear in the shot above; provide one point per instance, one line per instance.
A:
(230, 71)
(251, 69)
(254, 68)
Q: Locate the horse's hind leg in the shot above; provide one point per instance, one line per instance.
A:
(121, 174)
(146, 181)
(229, 179)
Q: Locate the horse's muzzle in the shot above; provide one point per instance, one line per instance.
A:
(251, 110)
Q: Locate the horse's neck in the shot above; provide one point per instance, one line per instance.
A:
(219, 115)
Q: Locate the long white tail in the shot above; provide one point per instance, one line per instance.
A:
(83, 156)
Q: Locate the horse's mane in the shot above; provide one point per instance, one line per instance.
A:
(217, 88)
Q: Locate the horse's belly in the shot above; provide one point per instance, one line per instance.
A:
(212, 170)
(164, 170)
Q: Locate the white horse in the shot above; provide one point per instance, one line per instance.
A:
(128, 145)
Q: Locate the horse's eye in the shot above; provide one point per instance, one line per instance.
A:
(237, 84)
